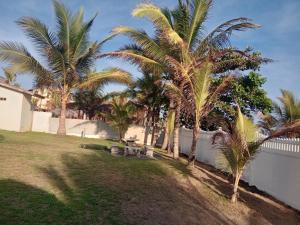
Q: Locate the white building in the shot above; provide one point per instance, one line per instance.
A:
(15, 108)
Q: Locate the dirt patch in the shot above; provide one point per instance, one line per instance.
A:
(201, 197)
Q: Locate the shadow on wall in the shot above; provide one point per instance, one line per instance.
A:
(90, 127)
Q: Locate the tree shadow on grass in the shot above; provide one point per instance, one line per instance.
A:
(263, 208)
(103, 189)
(25, 204)
(94, 147)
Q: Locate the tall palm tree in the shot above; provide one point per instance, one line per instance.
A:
(240, 145)
(67, 52)
(179, 45)
(148, 92)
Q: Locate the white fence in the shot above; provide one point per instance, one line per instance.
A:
(275, 169)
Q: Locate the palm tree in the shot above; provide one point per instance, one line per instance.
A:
(289, 108)
(202, 98)
(179, 46)
(287, 111)
(148, 92)
(89, 101)
(240, 145)
(121, 115)
(10, 78)
(67, 52)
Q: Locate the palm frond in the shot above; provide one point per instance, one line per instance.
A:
(199, 10)
(22, 61)
(156, 15)
(38, 32)
(143, 40)
(114, 75)
(138, 58)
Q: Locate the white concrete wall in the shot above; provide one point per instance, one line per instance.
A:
(275, 169)
(26, 114)
(88, 128)
(138, 132)
(41, 121)
(10, 109)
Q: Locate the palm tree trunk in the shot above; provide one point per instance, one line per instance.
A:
(147, 128)
(166, 139)
(176, 130)
(153, 127)
(196, 132)
(235, 187)
(62, 118)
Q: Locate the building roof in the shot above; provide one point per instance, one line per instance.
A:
(17, 89)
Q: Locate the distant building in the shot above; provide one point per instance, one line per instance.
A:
(15, 108)
(50, 101)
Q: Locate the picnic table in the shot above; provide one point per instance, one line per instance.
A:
(132, 148)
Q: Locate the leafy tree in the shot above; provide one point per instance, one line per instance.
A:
(245, 90)
(67, 52)
(239, 145)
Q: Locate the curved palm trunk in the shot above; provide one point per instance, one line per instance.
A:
(62, 118)
(196, 133)
(176, 130)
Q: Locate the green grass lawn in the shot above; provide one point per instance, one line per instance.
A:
(48, 179)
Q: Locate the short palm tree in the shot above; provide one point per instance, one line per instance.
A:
(286, 112)
(240, 144)
(68, 54)
(289, 108)
(120, 115)
(180, 46)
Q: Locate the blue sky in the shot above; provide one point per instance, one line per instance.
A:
(277, 39)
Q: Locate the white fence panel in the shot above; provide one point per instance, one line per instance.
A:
(275, 169)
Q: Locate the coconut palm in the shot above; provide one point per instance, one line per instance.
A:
(120, 115)
(67, 52)
(287, 111)
(240, 145)
(148, 92)
(179, 46)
